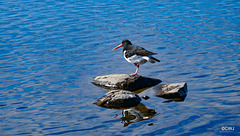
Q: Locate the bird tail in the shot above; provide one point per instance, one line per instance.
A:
(153, 60)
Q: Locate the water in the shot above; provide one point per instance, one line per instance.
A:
(51, 50)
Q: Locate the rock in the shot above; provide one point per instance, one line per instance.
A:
(176, 91)
(150, 124)
(119, 99)
(145, 97)
(125, 82)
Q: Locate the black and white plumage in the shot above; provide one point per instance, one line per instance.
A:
(136, 55)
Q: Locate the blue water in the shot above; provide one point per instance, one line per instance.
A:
(50, 51)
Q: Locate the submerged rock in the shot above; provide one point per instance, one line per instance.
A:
(125, 82)
(119, 99)
(176, 91)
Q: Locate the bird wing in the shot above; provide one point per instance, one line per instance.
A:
(143, 52)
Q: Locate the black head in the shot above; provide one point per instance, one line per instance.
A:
(126, 43)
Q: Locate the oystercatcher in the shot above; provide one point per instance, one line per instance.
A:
(135, 54)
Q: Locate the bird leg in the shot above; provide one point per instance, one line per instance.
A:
(137, 65)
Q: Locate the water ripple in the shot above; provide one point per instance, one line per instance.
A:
(51, 50)
(76, 130)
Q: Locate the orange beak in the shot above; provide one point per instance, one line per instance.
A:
(117, 47)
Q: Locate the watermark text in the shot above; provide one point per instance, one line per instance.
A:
(227, 128)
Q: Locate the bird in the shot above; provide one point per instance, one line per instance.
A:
(136, 55)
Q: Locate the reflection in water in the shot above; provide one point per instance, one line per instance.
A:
(126, 100)
(180, 99)
(137, 114)
(141, 90)
(136, 92)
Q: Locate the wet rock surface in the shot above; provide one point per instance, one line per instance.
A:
(175, 91)
(125, 82)
(119, 99)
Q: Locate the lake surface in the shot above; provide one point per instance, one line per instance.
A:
(50, 51)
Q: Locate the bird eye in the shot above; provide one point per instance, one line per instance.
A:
(123, 42)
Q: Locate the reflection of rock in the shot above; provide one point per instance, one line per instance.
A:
(125, 82)
(119, 99)
(137, 114)
(176, 91)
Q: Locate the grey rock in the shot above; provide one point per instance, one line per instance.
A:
(125, 82)
(175, 91)
(119, 99)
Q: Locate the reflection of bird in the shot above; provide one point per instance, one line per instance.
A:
(137, 114)
(136, 55)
